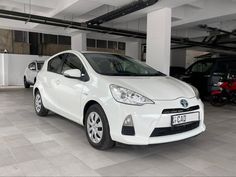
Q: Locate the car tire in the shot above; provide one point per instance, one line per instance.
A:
(26, 84)
(38, 105)
(97, 128)
(217, 100)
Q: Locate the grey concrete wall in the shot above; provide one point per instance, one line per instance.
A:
(6, 40)
(51, 49)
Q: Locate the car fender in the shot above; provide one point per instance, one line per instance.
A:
(38, 86)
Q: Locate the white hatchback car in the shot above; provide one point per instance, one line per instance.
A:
(118, 99)
(31, 72)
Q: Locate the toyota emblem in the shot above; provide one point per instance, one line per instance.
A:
(184, 103)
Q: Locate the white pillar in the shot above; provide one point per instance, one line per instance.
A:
(159, 39)
(79, 42)
(4, 69)
(133, 50)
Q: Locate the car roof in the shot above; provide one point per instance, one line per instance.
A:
(40, 61)
(96, 52)
(218, 59)
(214, 60)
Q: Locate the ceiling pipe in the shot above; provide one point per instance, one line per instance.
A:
(120, 12)
(68, 24)
(100, 29)
(181, 47)
(216, 29)
(186, 41)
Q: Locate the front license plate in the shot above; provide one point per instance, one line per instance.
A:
(184, 118)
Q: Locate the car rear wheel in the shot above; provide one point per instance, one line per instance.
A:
(26, 84)
(38, 105)
(218, 100)
(97, 128)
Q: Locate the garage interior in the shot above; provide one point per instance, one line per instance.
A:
(162, 33)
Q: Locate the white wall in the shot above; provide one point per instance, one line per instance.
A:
(13, 71)
(1, 69)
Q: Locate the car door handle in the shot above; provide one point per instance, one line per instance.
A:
(207, 76)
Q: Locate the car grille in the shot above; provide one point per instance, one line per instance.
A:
(180, 110)
(174, 130)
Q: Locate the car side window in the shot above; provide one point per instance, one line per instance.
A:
(232, 67)
(55, 64)
(201, 67)
(221, 67)
(73, 62)
(32, 66)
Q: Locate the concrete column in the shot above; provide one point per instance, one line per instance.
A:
(79, 42)
(133, 50)
(4, 69)
(159, 39)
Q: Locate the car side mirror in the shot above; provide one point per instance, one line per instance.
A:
(73, 73)
(32, 68)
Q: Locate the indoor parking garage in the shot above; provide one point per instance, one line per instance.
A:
(117, 88)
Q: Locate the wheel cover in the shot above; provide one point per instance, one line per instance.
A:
(95, 127)
(38, 103)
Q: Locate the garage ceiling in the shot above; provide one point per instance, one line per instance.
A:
(186, 15)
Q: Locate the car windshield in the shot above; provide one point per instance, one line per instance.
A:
(40, 65)
(200, 67)
(117, 65)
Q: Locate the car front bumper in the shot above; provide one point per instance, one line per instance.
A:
(150, 117)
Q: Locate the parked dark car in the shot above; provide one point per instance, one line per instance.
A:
(205, 74)
(176, 71)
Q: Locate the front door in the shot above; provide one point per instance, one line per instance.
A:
(69, 89)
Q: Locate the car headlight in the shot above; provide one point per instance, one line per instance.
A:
(196, 92)
(126, 96)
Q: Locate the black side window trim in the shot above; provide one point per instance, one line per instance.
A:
(60, 67)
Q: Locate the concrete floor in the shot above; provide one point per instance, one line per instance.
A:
(54, 146)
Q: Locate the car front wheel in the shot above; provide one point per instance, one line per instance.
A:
(38, 105)
(26, 84)
(97, 128)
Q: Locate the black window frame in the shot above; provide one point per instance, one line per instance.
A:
(112, 45)
(102, 44)
(60, 66)
(91, 41)
(21, 36)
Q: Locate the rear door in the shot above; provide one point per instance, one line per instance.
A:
(52, 82)
(199, 75)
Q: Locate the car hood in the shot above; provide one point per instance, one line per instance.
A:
(155, 88)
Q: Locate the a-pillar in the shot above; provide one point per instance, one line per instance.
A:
(79, 42)
(159, 39)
